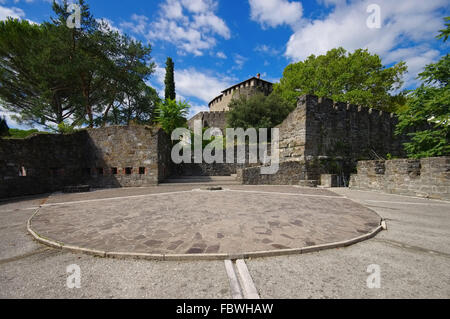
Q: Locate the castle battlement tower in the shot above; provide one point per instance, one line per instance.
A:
(248, 88)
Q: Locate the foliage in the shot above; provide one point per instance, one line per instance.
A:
(139, 106)
(4, 129)
(16, 133)
(258, 111)
(357, 77)
(444, 33)
(219, 142)
(172, 115)
(64, 128)
(428, 112)
(50, 73)
(170, 80)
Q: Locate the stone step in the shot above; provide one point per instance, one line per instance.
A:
(309, 183)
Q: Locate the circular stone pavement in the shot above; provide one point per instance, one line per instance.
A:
(174, 221)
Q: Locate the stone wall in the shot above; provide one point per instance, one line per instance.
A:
(247, 88)
(428, 177)
(321, 128)
(289, 173)
(209, 119)
(217, 169)
(124, 156)
(48, 161)
(107, 157)
(334, 136)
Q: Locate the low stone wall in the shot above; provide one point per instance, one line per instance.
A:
(289, 173)
(428, 177)
(41, 163)
(117, 156)
(217, 169)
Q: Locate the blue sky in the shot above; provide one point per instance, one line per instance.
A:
(216, 43)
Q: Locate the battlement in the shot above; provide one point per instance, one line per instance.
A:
(326, 105)
(323, 128)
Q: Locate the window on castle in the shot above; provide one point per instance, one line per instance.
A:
(142, 170)
(114, 171)
(128, 170)
(100, 171)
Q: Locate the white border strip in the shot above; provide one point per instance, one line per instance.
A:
(405, 203)
(288, 194)
(248, 287)
(234, 282)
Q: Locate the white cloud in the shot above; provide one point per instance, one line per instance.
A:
(12, 12)
(239, 61)
(406, 28)
(221, 55)
(192, 83)
(266, 49)
(11, 122)
(274, 13)
(137, 25)
(192, 26)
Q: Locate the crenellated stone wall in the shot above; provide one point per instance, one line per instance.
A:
(428, 177)
(115, 156)
(321, 128)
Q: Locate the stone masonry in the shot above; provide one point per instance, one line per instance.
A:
(428, 177)
(210, 119)
(107, 157)
(329, 138)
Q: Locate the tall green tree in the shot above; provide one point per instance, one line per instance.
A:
(358, 77)
(52, 74)
(34, 77)
(258, 111)
(428, 112)
(4, 128)
(108, 64)
(170, 80)
(139, 106)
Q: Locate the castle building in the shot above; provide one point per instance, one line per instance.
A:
(248, 88)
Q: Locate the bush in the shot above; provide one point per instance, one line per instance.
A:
(172, 115)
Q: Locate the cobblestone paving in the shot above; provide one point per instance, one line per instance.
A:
(190, 221)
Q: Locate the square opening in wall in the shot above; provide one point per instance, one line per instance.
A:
(22, 172)
(142, 170)
(100, 171)
(114, 171)
(128, 170)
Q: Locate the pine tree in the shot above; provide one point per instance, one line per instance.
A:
(170, 80)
